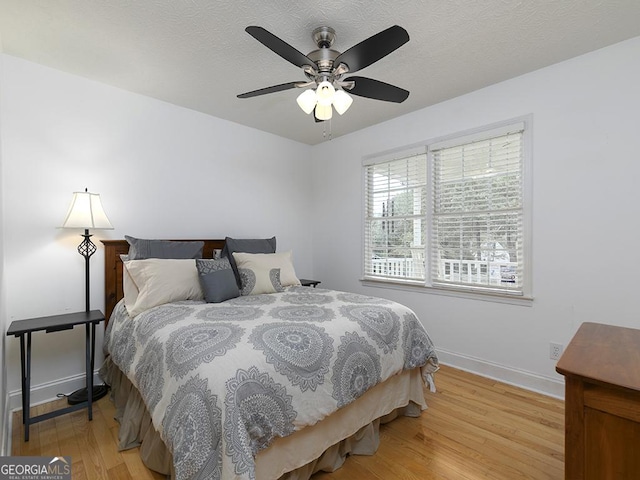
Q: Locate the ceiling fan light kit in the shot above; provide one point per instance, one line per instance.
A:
(325, 96)
(325, 69)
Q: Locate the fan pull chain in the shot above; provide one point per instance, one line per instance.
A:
(324, 133)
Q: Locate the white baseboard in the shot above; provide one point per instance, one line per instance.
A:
(47, 392)
(5, 441)
(553, 387)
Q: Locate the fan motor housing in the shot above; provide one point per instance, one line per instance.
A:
(324, 56)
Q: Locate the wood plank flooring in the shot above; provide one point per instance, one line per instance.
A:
(475, 428)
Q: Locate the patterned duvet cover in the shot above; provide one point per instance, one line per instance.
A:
(221, 381)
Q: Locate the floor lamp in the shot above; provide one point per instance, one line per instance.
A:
(86, 212)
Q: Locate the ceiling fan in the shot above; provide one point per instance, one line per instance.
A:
(325, 70)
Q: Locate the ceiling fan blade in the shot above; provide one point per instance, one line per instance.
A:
(272, 89)
(279, 46)
(373, 48)
(370, 88)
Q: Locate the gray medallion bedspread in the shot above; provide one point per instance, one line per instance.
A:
(221, 381)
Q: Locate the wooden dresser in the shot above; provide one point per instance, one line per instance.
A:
(601, 366)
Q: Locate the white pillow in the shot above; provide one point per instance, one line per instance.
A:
(161, 281)
(255, 282)
(129, 288)
(267, 261)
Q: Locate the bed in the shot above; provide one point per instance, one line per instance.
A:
(265, 386)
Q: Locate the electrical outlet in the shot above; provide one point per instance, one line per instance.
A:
(555, 350)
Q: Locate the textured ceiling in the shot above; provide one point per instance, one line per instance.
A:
(195, 53)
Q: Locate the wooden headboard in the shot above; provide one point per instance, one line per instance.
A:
(113, 268)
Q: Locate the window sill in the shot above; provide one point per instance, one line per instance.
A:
(420, 287)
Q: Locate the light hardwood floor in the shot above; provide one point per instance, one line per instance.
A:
(475, 428)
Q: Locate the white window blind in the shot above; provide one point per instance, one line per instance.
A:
(395, 218)
(476, 236)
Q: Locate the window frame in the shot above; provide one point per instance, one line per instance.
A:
(525, 294)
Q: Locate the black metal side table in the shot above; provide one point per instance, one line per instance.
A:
(55, 323)
(305, 282)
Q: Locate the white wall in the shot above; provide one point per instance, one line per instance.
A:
(585, 217)
(162, 172)
(4, 397)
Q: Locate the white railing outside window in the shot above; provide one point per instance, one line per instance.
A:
(470, 272)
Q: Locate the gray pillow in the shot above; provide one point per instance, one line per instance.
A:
(217, 280)
(140, 249)
(246, 245)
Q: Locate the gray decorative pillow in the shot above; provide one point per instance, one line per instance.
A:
(246, 245)
(140, 249)
(217, 280)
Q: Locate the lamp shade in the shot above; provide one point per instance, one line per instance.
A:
(342, 101)
(325, 93)
(323, 112)
(307, 101)
(86, 212)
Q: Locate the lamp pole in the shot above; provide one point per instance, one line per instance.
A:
(86, 249)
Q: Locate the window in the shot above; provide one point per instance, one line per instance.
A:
(395, 218)
(454, 216)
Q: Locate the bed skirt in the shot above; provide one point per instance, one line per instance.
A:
(324, 446)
